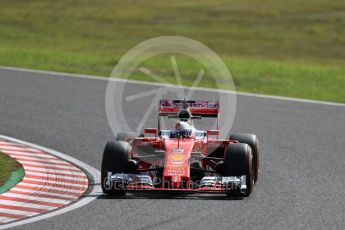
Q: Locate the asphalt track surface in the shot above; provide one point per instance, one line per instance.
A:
(301, 185)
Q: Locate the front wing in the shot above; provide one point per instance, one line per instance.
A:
(209, 184)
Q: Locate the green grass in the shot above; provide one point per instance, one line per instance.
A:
(7, 165)
(290, 48)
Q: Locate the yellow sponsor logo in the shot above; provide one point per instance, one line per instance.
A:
(177, 157)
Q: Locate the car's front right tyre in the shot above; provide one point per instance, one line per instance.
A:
(115, 160)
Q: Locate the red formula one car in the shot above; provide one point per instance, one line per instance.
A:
(184, 159)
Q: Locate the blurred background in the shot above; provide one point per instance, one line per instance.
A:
(290, 48)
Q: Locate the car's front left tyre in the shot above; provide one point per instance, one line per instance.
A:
(253, 142)
(238, 161)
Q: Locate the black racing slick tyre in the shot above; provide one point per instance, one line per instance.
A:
(123, 135)
(253, 142)
(115, 160)
(238, 161)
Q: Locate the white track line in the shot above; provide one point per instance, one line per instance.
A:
(48, 164)
(54, 177)
(58, 180)
(25, 204)
(55, 181)
(17, 212)
(100, 78)
(95, 190)
(44, 169)
(55, 173)
(20, 154)
(7, 147)
(43, 193)
(35, 198)
(34, 158)
(28, 164)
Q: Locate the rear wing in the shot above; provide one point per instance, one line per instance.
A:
(197, 108)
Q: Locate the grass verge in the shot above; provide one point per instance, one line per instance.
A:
(288, 48)
(11, 172)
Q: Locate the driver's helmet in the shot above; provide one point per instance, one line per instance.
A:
(182, 126)
(182, 129)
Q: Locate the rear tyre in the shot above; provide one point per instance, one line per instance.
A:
(253, 142)
(123, 135)
(238, 161)
(115, 160)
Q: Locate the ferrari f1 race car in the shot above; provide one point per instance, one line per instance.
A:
(183, 159)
